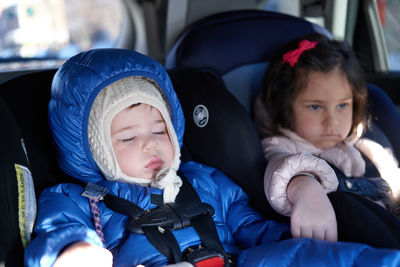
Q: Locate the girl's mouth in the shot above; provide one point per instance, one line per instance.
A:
(155, 163)
(330, 136)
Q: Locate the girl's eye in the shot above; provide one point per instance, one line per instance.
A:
(314, 107)
(127, 140)
(342, 105)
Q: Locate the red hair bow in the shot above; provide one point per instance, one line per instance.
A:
(292, 57)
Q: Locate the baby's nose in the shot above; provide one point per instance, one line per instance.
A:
(150, 144)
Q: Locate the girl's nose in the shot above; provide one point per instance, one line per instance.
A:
(150, 144)
(331, 118)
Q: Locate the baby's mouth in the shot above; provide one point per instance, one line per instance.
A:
(155, 163)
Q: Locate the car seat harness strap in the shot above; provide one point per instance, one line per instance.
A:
(158, 223)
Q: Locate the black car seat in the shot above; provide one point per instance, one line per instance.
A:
(220, 133)
(235, 48)
(17, 197)
(24, 106)
(28, 96)
(27, 158)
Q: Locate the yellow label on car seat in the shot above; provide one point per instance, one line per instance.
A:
(26, 203)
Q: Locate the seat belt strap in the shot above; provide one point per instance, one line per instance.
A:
(206, 230)
(162, 238)
(187, 194)
(203, 225)
(164, 241)
(123, 206)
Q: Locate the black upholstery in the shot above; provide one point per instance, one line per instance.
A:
(23, 107)
(28, 96)
(11, 152)
(386, 117)
(229, 141)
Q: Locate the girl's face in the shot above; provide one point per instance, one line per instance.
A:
(141, 142)
(323, 110)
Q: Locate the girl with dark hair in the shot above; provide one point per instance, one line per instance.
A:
(321, 172)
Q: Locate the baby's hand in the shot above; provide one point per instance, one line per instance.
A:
(84, 254)
(312, 213)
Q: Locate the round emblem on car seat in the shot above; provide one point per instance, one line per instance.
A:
(200, 115)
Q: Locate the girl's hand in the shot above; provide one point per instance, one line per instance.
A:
(312, 213)
(84, 254)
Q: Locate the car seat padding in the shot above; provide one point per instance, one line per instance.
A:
(228, 139)
(17, 198)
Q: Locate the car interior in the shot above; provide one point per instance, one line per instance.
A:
(216, 63)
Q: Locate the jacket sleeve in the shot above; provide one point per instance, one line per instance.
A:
(63, 218)
(247, 226)
(283, 164)
(311, 252)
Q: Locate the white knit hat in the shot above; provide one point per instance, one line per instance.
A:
(108, 103)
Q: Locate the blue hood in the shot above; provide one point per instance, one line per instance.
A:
(75, 86)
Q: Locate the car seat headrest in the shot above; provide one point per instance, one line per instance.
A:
(28, 96)
(220, 133)
(386, 117)
(236, 46)
(17, 196)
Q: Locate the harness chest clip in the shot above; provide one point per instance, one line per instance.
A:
(173, 216)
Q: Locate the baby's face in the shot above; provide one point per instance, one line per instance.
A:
(141, 142)
(323, 110)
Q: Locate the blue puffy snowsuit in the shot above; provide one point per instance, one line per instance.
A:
(64, 215)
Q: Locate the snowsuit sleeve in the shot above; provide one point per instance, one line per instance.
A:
(63, 218)
(238, 224)
(312, 252)
(248, 227)
(283, 164)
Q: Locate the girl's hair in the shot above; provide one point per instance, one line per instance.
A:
(282, 82)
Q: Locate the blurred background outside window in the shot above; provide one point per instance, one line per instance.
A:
(43, 33)
(389, 14)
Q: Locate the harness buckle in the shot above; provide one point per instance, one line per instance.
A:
(172, 215)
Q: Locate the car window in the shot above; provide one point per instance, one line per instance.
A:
(283, 6)
(41, 34)
(389, 11)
